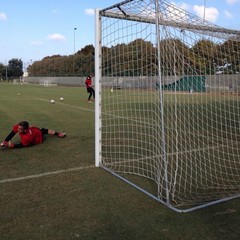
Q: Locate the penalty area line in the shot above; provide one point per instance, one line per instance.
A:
(45, 174)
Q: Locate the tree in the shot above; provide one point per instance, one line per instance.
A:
(14, 68)
(2, 71)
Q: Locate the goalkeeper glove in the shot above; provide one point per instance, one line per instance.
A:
(7, 144)
(4, 144)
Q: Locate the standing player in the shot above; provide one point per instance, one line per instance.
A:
(29, 135)
(89, 87)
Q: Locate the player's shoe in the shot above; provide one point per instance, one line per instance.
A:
(89, 101)
(62, 135)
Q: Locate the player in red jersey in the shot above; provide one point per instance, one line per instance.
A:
(89, 87)
(29, 135)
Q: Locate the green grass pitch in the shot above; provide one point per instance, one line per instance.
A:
(53, 191)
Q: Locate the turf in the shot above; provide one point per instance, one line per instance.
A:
(53, 191)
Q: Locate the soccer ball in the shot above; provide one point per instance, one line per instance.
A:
(61, 98)
(52, 101)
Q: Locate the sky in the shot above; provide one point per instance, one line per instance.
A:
(33, 29)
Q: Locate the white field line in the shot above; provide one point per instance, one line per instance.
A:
(65, 104)
(45, 174)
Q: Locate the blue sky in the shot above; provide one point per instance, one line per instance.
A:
(34, 29)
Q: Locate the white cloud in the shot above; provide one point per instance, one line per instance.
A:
(227, 14)
(3, 16)
(37, 43)
(184, 6)
(56, 37)
(89, 11)
(211, 13)
(231, 2)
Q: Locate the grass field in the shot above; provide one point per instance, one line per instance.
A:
(53, 191)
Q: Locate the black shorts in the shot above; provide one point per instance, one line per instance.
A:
(90, 90)
(44, 131)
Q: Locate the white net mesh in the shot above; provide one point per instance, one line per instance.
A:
(170, 109)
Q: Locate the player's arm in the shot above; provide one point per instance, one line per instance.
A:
(6, 143)
(11, 145)
(10, 136)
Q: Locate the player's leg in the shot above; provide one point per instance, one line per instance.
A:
(52, 132)
(59, 134)
(90, 94)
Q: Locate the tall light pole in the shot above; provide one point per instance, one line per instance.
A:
(26, 65)
(74, 30)
(204, 8)
(74, 40)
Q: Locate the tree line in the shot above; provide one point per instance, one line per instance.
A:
(141, 58)
(137, 58)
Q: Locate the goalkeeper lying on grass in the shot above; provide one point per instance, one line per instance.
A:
(29, 135)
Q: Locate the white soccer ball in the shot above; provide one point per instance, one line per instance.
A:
(61, 98)
(52, 101)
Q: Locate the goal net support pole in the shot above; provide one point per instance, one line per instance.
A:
(163, 145)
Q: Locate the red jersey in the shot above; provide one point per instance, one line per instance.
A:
(33, 136)
(88, 82)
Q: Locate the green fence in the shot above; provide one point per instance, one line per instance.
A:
(187, 83)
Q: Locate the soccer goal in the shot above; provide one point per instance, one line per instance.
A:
(167, 110)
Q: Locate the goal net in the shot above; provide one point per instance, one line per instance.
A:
(167, 109)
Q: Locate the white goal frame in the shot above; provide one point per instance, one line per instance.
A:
(157, 88)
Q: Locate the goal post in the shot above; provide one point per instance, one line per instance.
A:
(97, 89)
(167, 106)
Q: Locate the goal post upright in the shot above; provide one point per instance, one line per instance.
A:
(97, 88)
(163, 145)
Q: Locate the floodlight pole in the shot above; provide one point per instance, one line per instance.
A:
(204, 9)
(74, 40)
(74, 29)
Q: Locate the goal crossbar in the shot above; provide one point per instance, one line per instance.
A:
(185, 26)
